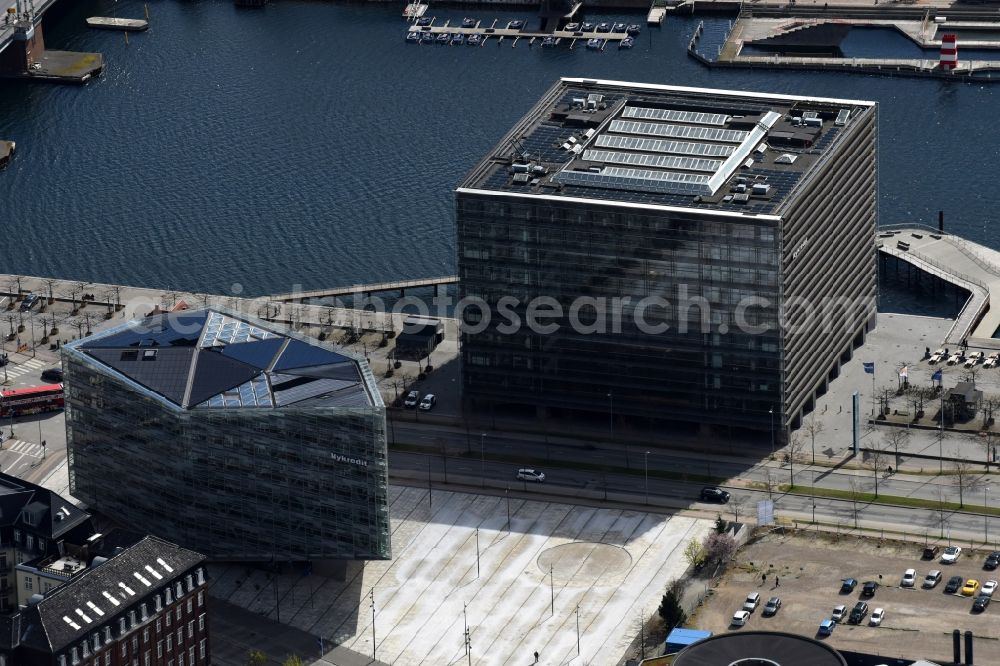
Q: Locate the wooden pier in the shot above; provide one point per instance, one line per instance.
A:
(414, 10)
(123, 24)
(6, 152)
(365, 289)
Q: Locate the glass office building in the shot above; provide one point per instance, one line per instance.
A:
(229, 436)
(669, 255)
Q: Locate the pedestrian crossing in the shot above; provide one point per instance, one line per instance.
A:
(17, 369)
(21, 446)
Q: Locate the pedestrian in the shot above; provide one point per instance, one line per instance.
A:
(777, 582)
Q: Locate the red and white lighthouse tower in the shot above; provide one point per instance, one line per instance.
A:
(949, 52)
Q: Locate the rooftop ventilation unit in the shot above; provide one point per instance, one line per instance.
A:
(760, 189)
(813, 122)
(786, 158)
(842, 117)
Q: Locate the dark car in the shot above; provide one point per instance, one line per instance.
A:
(713, 494)
(954, 584)
(848, 586)
(30, 301)
(931, 552)
(980, 604)
(868, 589)
(858, 613)
(52, 375)
(772, 606)
(992, 561)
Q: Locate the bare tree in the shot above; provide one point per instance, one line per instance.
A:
(964, 479)
(885, 395)
(941, 511)
(855, 492)
(989, 406)
(878, 461)
(50, 283)
(812, 427)
(970, 374)
(737, 503)
(795, 445)
(769, 483)
(896, 439)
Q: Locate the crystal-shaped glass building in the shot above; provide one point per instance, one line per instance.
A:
(230, 436)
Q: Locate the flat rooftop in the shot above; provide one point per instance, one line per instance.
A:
(670, 146)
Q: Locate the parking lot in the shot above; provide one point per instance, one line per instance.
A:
(808, 571)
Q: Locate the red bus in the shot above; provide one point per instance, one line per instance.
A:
(31, 400)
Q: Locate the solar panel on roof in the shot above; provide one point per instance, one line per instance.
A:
(617, 178)
(677, 131)
(660, 161)
(664, 146)
(694, 117)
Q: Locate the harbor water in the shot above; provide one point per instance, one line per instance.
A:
(306, 143)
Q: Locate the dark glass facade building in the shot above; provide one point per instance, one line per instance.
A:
(685, 255)
(229, 436)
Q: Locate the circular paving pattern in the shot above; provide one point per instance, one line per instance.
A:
(583, 564)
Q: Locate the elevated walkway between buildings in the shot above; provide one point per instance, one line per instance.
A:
(963, 263)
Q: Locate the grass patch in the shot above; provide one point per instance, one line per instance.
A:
(870, 498)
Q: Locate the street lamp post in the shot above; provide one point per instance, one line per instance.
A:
(986, 515)
(482, 459)
(645, 469)
(771, 412)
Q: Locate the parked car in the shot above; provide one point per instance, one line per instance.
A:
(847, 585)
(713, 494)
(772, 606)
(954, 583)
(52, 375)
(751, 602)
(931, 552)
(826, 627)
(412, 398)
(980, 604)
(970, 588)
(989, 587)
(951, 554)
(992, 561)
(869, 588)
(740, 618)
(428, 402)
(909, 578)
(932, 579)
(858, 613)
(877, 616)
(30, 301)
(525, 474)
(839, 613)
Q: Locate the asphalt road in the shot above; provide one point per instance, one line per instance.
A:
(463, 461)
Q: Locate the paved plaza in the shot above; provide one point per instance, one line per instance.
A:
(613, 565)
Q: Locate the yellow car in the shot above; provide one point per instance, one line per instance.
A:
(970, 588)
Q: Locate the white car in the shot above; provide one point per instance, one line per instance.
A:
(992, 361)
(752, 601)
(839, 613)
(988, 588)
(428, 402)
(974, 358)
(412, 398)
(951, 554)
(932, 579)
(530, 475)
(909, 578)
(877, 616)
(740, 618)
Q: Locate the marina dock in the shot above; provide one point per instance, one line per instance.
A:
(516, 34)
(414, 10)
(123, 24)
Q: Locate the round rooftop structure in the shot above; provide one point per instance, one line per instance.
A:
(759, 648)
